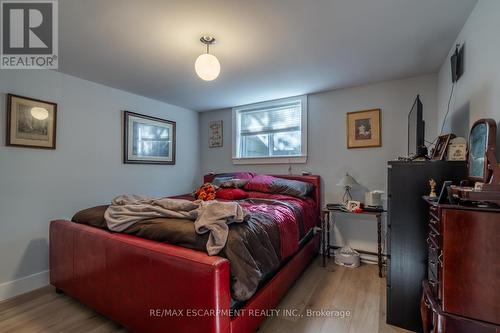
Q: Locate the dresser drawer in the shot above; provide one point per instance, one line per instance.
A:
(435, 223)
(434, 237)
(433, 271)
(434, 320)
(434, 212)
(470, 275)
(433, 252)
(433, 263)
(434, 286)
(433, 268)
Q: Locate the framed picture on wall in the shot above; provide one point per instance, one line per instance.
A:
(148, 140)
(31, 122)
(363, 129)
(215, 134)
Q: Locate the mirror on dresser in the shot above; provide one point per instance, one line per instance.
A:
(481, 140)
(482, 186)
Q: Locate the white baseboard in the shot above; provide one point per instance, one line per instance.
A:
(23, 285)
(368, 258)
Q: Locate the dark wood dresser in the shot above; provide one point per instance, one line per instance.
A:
(407, 182)
(462, 291)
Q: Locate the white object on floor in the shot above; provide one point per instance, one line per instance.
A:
(346, 256)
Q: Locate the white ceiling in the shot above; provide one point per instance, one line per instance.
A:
(267, 48)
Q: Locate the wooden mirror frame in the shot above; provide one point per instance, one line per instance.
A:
(491, 126)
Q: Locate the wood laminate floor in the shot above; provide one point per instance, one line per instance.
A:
(360, 292)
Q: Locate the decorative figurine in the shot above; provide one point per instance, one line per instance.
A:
(432, 184)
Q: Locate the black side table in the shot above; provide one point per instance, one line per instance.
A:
(326, 247)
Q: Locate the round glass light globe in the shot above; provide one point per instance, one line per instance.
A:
(39, 113)
(207, 67)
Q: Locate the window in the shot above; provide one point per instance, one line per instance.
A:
(271, 132)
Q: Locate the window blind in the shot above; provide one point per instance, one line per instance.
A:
(276, 118)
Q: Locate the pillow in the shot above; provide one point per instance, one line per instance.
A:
(234, 183)
(223, 177)
(231, 194)
(270, 184)
(92, 216)
(217, 181)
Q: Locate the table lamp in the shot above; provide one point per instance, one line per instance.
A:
(347, 182)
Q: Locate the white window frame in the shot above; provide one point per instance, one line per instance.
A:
(302, 158)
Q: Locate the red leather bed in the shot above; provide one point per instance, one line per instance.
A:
(148, 286)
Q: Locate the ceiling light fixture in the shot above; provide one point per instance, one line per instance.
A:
(207, 66)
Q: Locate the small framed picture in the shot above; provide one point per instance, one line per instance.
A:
(148, 140)
(363, 129)
(478, 186)
(439, 151)
(31, 122)
(457, 152)
(215, 134)
(444, 192)
(352, 205)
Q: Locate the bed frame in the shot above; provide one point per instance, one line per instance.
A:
(148, 286)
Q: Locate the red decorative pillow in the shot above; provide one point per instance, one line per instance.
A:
(231, 194)
(260, 183)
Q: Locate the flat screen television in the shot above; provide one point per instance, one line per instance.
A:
(416, 131)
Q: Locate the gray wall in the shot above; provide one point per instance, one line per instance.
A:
(85, 170)
(477, 93)
(327, 152)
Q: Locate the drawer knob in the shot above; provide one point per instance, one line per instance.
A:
(427, 304)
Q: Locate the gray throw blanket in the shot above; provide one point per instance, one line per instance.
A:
(209, 216)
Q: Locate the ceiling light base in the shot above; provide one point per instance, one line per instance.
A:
(207, 40)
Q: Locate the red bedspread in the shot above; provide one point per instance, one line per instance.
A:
(294, 217)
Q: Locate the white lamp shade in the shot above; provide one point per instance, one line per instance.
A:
(39, 113)
(347, 180)
(207, 67)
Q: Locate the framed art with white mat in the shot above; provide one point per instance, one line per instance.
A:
(363, 129)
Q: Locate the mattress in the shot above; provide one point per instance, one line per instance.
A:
(276, 228)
